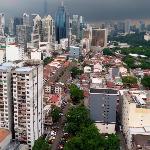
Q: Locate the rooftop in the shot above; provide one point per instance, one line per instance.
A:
(3, 134)
(140, 98)
(102, 90)
(141, 141)
(24, 69)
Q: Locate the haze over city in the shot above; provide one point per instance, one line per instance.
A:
(74, 75)
(93, 10)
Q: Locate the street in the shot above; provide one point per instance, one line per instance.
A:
(59, 133)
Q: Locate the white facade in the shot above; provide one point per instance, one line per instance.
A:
(36, 55)
(2, 55)
(28, 103)
(14, 52)
(97, 67)
(64, 43)
(135, 115)
(5, 98)
(147, 37)
(87, 69)
(106, 128)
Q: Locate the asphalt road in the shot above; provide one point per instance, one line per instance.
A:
(59, 133)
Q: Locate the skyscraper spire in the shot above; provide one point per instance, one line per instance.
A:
(62, 3)
(45, 7)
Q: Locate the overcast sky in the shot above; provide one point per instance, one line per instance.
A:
(92, 10)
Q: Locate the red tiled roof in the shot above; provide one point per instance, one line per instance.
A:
(54, 98)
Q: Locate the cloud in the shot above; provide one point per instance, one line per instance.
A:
(93, 10)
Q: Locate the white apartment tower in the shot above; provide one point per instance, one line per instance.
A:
(5, 98)
(28, 102)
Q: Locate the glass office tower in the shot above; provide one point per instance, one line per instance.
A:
(61, 23)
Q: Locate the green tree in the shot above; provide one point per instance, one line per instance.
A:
(77, 117)
(75, 71)
(129, 80)
(41, 144)
(88, 139)
(112, 142)
(76, 94)
(47, 60)
(129, 61)
(146, 81)
(55, 113)
(107, 51)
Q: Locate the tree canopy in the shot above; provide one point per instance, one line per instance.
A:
(77, 117)
(41, 144)
(88, 139)
(146, 81)
(107, 51)
(129, 80)
(47, 60)
(85, 135)
(76, 94)
(75, 71)
(136, 39)
(55, 113)
(112, 142)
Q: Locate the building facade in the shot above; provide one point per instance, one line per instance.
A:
(28, 103)
(61, 23)
(103, 106)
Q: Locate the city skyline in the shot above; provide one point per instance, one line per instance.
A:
(99, 9)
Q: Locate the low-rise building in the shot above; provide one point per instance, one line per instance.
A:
(5, 138)
(74, 52)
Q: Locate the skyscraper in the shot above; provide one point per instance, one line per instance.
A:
(37, 30)
(17, 21)
(2, 24)
(23, 33)
(11, 26)
(47, 29)
(61, 23)
(26, 19)
(99, 37)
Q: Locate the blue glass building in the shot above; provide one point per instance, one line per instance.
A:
(61, 24)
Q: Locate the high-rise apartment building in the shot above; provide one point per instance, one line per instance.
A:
(99, 37)
(6, 109)
(28, 102)
(61, 23)
(43, 30)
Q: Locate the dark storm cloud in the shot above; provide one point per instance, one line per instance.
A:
(93, 10)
